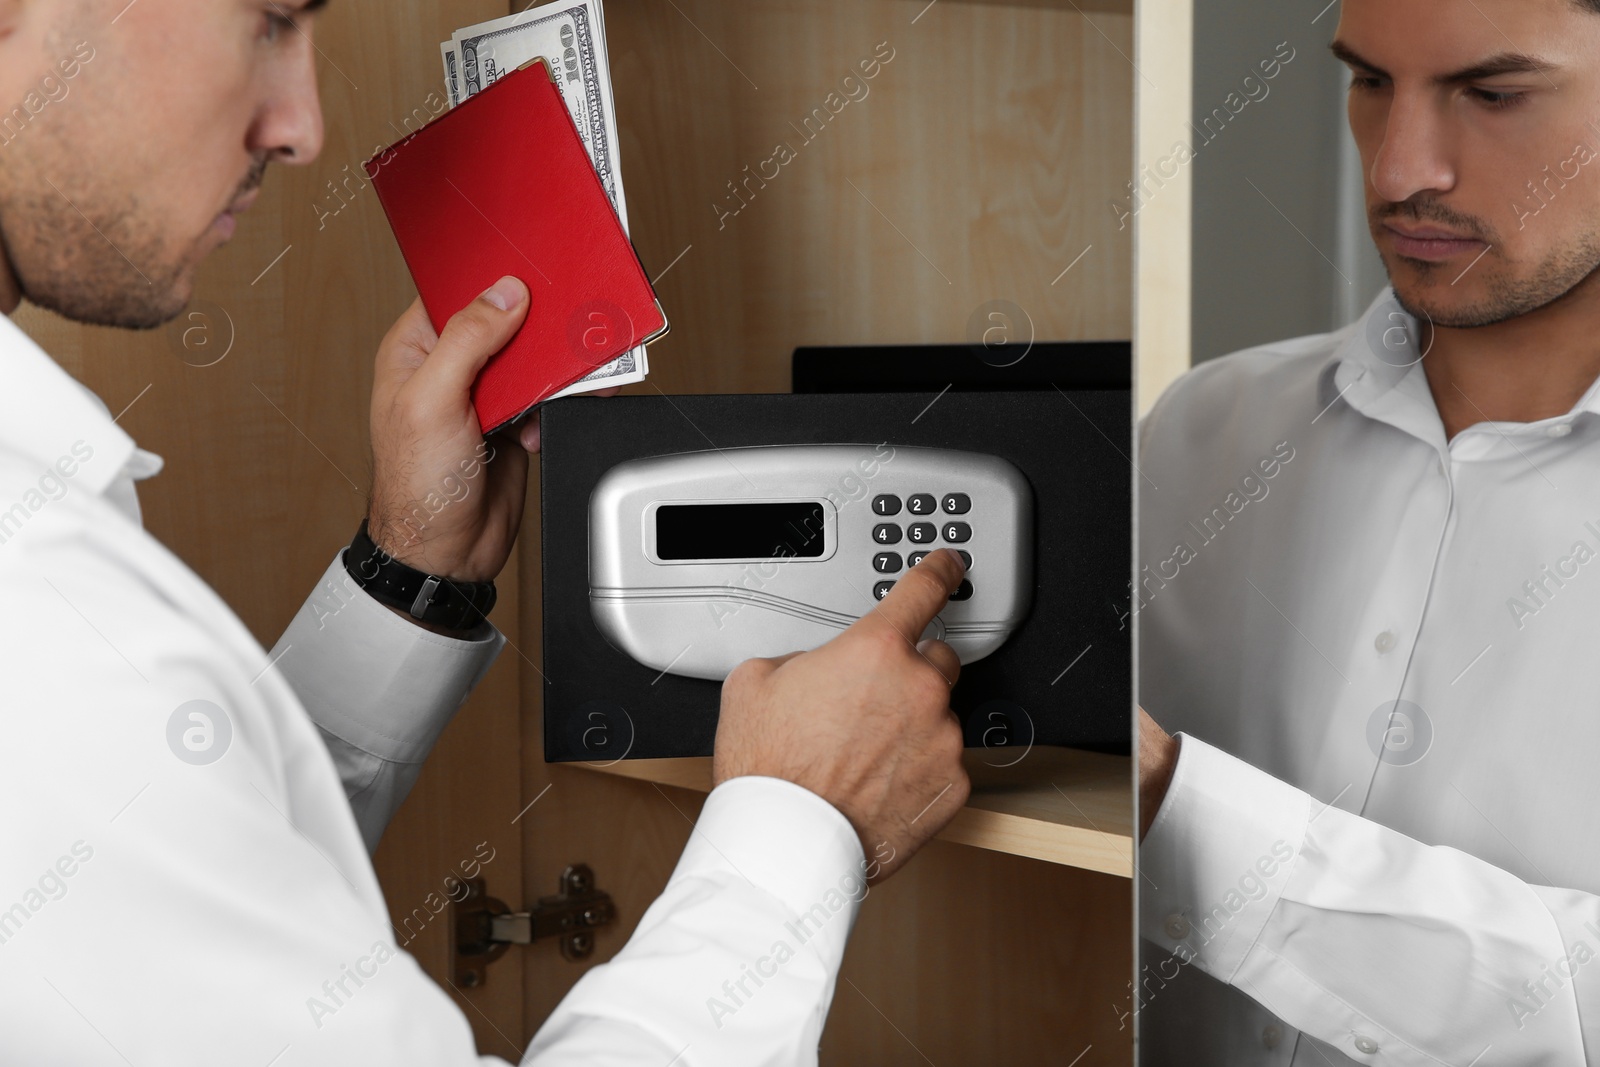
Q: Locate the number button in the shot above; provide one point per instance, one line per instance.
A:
(881, 590)
(921, 533)
(886, 533)
(957, 532)
(921, 504)
(886, 505)
(886, 562)
(963, 591)
(957, 503)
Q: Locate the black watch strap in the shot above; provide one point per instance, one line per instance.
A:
(429, 598)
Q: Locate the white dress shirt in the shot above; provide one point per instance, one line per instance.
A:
(1339, 878)
(183, 880)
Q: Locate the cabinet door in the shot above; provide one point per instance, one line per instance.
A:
(975, 164)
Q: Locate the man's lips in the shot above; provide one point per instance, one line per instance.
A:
(1430, 242)
(225, 222)
(241, 205)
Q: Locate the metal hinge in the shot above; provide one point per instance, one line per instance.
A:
(483, 928)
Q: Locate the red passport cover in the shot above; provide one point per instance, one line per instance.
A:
(501, 185)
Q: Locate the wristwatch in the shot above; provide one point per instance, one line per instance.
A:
(429, 598)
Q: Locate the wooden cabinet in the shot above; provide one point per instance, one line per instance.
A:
(981, 161)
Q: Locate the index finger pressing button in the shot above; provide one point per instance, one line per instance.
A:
(917, 597)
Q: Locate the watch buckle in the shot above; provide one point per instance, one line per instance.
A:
(424, 596)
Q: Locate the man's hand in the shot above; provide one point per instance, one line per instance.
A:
(444, 499)
(1158, 757)
(864, 721)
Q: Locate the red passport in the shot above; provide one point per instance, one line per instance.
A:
(501, 185)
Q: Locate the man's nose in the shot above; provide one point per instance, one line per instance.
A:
(288, 128)
(1416, 152)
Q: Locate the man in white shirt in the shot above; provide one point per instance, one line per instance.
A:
(1368, 593)
(183, 878)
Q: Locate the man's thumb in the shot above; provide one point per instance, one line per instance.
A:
(475, 333)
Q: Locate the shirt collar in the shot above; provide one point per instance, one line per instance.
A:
(52, 420)
(1376, 367)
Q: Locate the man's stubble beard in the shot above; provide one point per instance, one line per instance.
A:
(1507, 296)
(79, 244)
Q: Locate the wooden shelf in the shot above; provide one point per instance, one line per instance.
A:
(1059, 805)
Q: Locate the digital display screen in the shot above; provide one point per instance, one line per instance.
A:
(739, 531)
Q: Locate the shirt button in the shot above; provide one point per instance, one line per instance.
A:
(1271, 1036)
(1177, 927)
(1366, 1044)
(1384, 641)
(1560, 429)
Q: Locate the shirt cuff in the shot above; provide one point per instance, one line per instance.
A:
(789, 842)
(373, 680)
(1217, 857)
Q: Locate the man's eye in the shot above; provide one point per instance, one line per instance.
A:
(279, 22)
(1495, 100)
(1363, 83)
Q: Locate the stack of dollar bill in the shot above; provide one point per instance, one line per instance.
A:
(571, 36)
